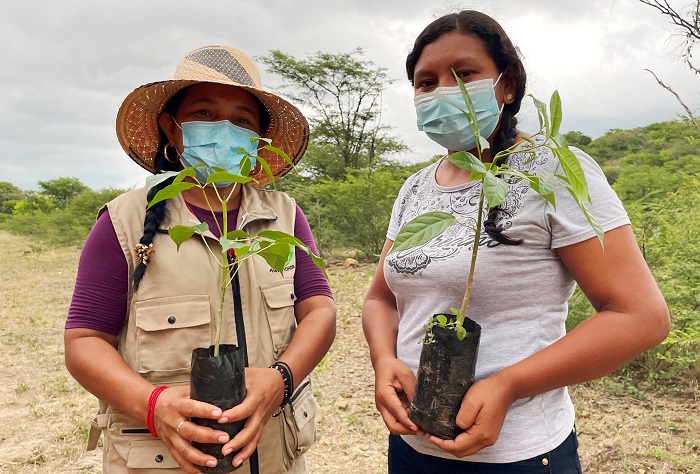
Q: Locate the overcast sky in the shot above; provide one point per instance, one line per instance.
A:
(66, 66)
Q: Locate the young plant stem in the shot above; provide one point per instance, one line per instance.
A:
(475, 250)
(224, 273)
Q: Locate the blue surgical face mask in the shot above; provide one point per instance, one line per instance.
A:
(221, 144)
(446, 125)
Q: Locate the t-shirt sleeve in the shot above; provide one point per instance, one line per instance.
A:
(396, 211)
(102, 284)
(308, 278)
(568, 224)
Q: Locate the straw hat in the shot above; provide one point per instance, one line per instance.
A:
(137, 119)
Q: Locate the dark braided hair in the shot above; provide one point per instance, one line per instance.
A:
(507, 59)
(157, 214)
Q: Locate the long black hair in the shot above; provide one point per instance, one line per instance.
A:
(158, 213)
(506, 57)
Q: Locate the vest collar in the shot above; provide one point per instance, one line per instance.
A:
(252, 209)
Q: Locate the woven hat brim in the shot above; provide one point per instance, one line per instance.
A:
(139, 136)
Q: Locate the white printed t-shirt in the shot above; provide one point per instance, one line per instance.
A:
(520, 293)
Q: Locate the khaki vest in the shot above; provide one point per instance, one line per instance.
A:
(174, 311)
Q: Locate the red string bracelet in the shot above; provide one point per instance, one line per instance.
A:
(150, 422)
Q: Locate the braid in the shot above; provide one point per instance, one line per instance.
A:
(504, 139)
(158, 213)
(151, 226)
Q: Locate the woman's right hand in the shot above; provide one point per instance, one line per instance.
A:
(173, 407)
(92, 358)
(394, 383)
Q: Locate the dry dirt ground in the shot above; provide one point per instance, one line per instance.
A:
(44, 414)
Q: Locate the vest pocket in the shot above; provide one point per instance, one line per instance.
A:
(299, 425)
(167, 329)
(150, 454)
(129, 447)
(279, 306)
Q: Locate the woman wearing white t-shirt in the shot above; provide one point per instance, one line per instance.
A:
(518, 416)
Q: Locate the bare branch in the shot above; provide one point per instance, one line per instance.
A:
(690, 27)
(691, 117)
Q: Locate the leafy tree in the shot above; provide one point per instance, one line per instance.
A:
(32, 202)
(67, 226)
(9, 194)
(656, 172)
(577, 139)
(667, 234)
(353, 212)
(61, 190)
(343, 93)
(359, 207)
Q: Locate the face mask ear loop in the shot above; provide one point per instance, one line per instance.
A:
(500, 111)
(175, 122)
(499, 78)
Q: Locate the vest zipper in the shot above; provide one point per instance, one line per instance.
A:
(296, 394)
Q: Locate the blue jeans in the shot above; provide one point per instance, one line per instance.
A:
(403, 459)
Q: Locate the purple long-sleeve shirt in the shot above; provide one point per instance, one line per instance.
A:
(102, 284)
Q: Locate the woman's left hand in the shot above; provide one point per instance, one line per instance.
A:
(265, 391)
(481, 416)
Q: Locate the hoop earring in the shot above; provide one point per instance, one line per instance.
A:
(165, 154)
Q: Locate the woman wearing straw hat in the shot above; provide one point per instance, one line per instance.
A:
(136, 312)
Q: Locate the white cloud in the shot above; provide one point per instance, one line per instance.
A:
(68, 65)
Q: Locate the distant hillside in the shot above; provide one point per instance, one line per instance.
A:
(646, 162)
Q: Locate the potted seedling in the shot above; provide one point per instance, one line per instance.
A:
(217, 372)
(450, 347)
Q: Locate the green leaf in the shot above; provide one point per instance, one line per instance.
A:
(277, 256)
(243, 252)
(574, 173)
(170, 192)
(589, 216)
(495, 189)
(319, 263)
(456, 312)
(226, 177)
(238, 235)
(245, 165)
(422, 229)
(279, 152)
(188, 172)
(276, 235)
(484, 143)
(467, 161)
(461, 332)
(559, 140)
(545, 184)
(541, 114)
(548, 181)
(201, 228)
(237, 245)
(471, 116)
(180, 233)
(156, 179)
(266, 167)
(555, 111)
(441, 320)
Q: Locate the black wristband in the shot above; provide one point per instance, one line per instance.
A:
(283, 369)
(289, 369)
